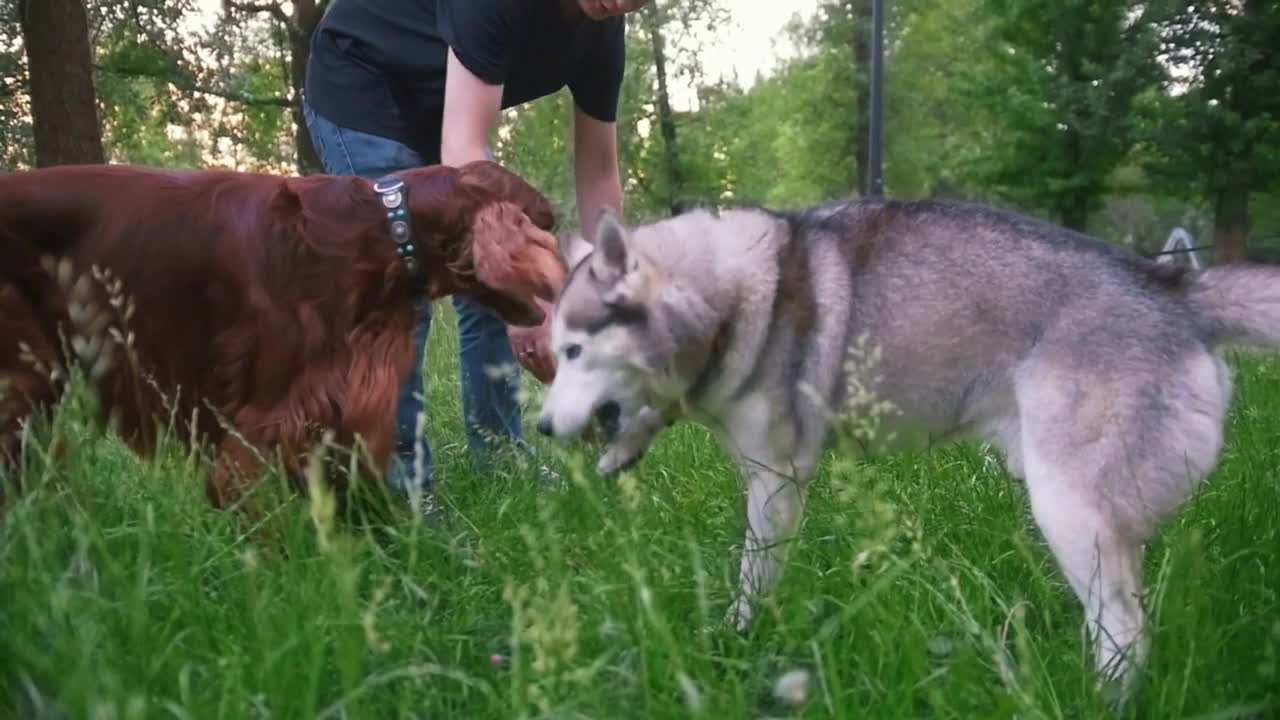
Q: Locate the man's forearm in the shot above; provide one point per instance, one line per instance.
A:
(594, 195)
(471, 109)
(457, 156)
(595, 169)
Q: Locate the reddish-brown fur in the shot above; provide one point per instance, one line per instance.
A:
(276, 304)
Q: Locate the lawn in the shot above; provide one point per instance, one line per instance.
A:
(918, 588)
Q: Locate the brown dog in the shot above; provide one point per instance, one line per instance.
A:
(258, 311)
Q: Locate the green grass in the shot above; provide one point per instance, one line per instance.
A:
(918, 589)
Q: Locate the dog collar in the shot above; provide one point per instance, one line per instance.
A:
(394, 196)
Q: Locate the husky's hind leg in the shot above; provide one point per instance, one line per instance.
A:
(1100, 561)
(1105, 460)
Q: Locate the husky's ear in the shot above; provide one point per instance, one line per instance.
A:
(612, 258)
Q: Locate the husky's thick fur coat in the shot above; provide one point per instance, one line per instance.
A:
(1095, 371)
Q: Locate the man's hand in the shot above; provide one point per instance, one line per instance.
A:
(532, 346)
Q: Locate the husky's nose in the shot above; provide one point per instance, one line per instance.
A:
(544, 426)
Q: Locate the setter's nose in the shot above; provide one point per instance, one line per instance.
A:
(545, 427)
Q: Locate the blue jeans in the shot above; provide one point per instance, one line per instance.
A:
(490, 403)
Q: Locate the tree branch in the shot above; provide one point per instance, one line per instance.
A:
(268, 8)
(191, 86)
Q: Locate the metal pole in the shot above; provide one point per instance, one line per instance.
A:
(875, 123)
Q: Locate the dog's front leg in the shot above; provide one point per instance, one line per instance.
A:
(634, 440)
(775, 505)
(237, 467)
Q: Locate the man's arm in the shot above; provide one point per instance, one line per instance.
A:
(471, 108)
(595, 168)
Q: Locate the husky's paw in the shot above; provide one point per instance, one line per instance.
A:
(1116, 683)
(632, 442)
(739, 615)
(619, 457)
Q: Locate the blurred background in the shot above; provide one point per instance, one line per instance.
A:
(1124, 119)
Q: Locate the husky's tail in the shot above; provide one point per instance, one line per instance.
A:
(1238, 304)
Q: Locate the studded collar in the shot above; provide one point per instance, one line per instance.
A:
(394, 195)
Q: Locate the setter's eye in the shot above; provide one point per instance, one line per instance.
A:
(572, 352)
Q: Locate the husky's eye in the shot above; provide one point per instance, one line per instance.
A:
(572, 352)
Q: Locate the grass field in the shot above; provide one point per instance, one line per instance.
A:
(918, 589)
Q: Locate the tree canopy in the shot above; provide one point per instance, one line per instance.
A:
(1120, 118)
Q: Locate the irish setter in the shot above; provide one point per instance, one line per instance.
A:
(257, 311)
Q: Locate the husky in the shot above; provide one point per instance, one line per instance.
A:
(1095, 371)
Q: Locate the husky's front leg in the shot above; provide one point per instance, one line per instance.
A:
(633, 441)
(775, 505)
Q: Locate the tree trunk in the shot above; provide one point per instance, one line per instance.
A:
(666, 120)
(298, 28)
(1074, 212)
(306, 15)
(64, 104)
(1073, 205)
(1235, 175)
(860, 10)
(1231, 223)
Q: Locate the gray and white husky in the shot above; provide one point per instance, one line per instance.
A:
(1096, 372)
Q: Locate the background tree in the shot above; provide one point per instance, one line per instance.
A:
(1214, 133)
(1123, 118)
(181, 87)
(64, 107)
(16, 142)
(151, 77)
(938, 139)
(1061, 88)
(653, 18)
(660, 144)
(296, 26)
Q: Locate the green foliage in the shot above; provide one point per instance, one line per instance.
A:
(1219, 123)
(16, 142)
(937, 138)
(649, 183)
(536, 141)
(138, 114)
(1025, 103)
(1122, 118)
(175, 93)
(252, 70)
(787, 141)
(1061, 87)
(762, 141)
(143, 61)
(825, 122)
(918, 587)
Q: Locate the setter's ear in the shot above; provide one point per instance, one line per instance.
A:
(516, 260)
(506, 186)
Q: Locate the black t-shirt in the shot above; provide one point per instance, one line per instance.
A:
(379, 65)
